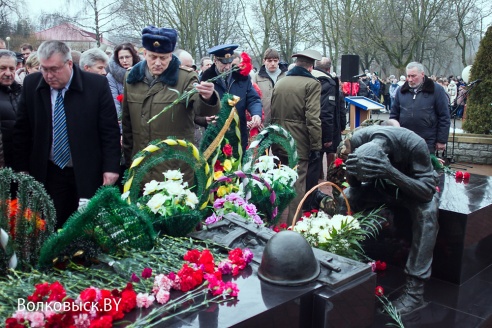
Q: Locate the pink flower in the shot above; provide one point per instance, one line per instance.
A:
(146, 273)
(135, 278)
(36, 319)
(373, 266)
(257, 219)
(215, 286)
(144, 300)
(82, 320)
(250, 209)
(225, 267)
(162, 282)
(219, 202)
(247, 255)
(231, 289)
(162, 296)
(212, 219)
(176, 281)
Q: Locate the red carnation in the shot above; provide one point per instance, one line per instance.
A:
(246, 65)
(306, 214)
(227, 150)
(218, 166)
(192, 256)
(459, 175)
(119, 98)
(466, 175)
(380, 266)
(379, 291)
(338, 162)
(146, 273)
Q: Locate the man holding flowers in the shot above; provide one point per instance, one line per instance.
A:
(153, 84)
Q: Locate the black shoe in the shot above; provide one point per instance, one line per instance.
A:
(413, 297)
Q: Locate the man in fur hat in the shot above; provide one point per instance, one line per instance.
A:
(150, 86)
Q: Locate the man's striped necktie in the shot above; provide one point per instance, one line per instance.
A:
(61, 148)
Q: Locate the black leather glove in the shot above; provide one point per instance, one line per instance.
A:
(313, 156)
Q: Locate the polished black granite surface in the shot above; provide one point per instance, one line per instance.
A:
(449, 305)
(464, 242)
(261, 304)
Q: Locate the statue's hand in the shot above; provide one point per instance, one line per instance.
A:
(368, 167)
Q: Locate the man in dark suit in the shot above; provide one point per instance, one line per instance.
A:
(66, 134)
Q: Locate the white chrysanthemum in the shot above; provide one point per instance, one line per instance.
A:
(320, 223)
(354, 223)
(191, 200)
(265, 163)
(151, 187)
(155, 203)
(336, 221)
(314, 230)
(301, 226)
(174, 175)
(174, 188)
(324, 236)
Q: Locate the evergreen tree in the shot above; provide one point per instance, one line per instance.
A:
(479, 104)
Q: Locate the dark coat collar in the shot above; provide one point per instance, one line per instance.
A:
(169, 77)
(211, 73)
(300, 71)
(76, 83)
(15, 88)
(428, 86)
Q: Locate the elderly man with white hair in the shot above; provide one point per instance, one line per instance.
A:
(94, 61)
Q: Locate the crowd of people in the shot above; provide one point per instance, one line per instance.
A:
(74, 121)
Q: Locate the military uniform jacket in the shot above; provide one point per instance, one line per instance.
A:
(296, 107)
(142, 101)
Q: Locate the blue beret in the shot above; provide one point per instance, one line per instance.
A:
(224, 51)
(160, 40)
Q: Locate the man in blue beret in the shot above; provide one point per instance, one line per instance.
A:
(151, 85)
(235, 84)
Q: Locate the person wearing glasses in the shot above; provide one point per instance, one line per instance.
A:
(271, 71)
(153, 84)
(66, 134)
(124, 58)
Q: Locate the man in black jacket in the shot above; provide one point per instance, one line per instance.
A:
(422, 106)
(66, 134)
(9, 95)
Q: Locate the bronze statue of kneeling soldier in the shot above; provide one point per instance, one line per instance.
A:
(391, 165)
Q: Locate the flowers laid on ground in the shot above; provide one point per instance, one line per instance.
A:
(95, 307)
(378, 266)
(169, 197)
(340, 234)
(388, 307)
(233, 203)
(462, 176)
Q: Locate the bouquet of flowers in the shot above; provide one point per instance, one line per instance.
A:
(281, 178)
(233, 203)
(340, 234)
(225, 163)
(171, 203)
